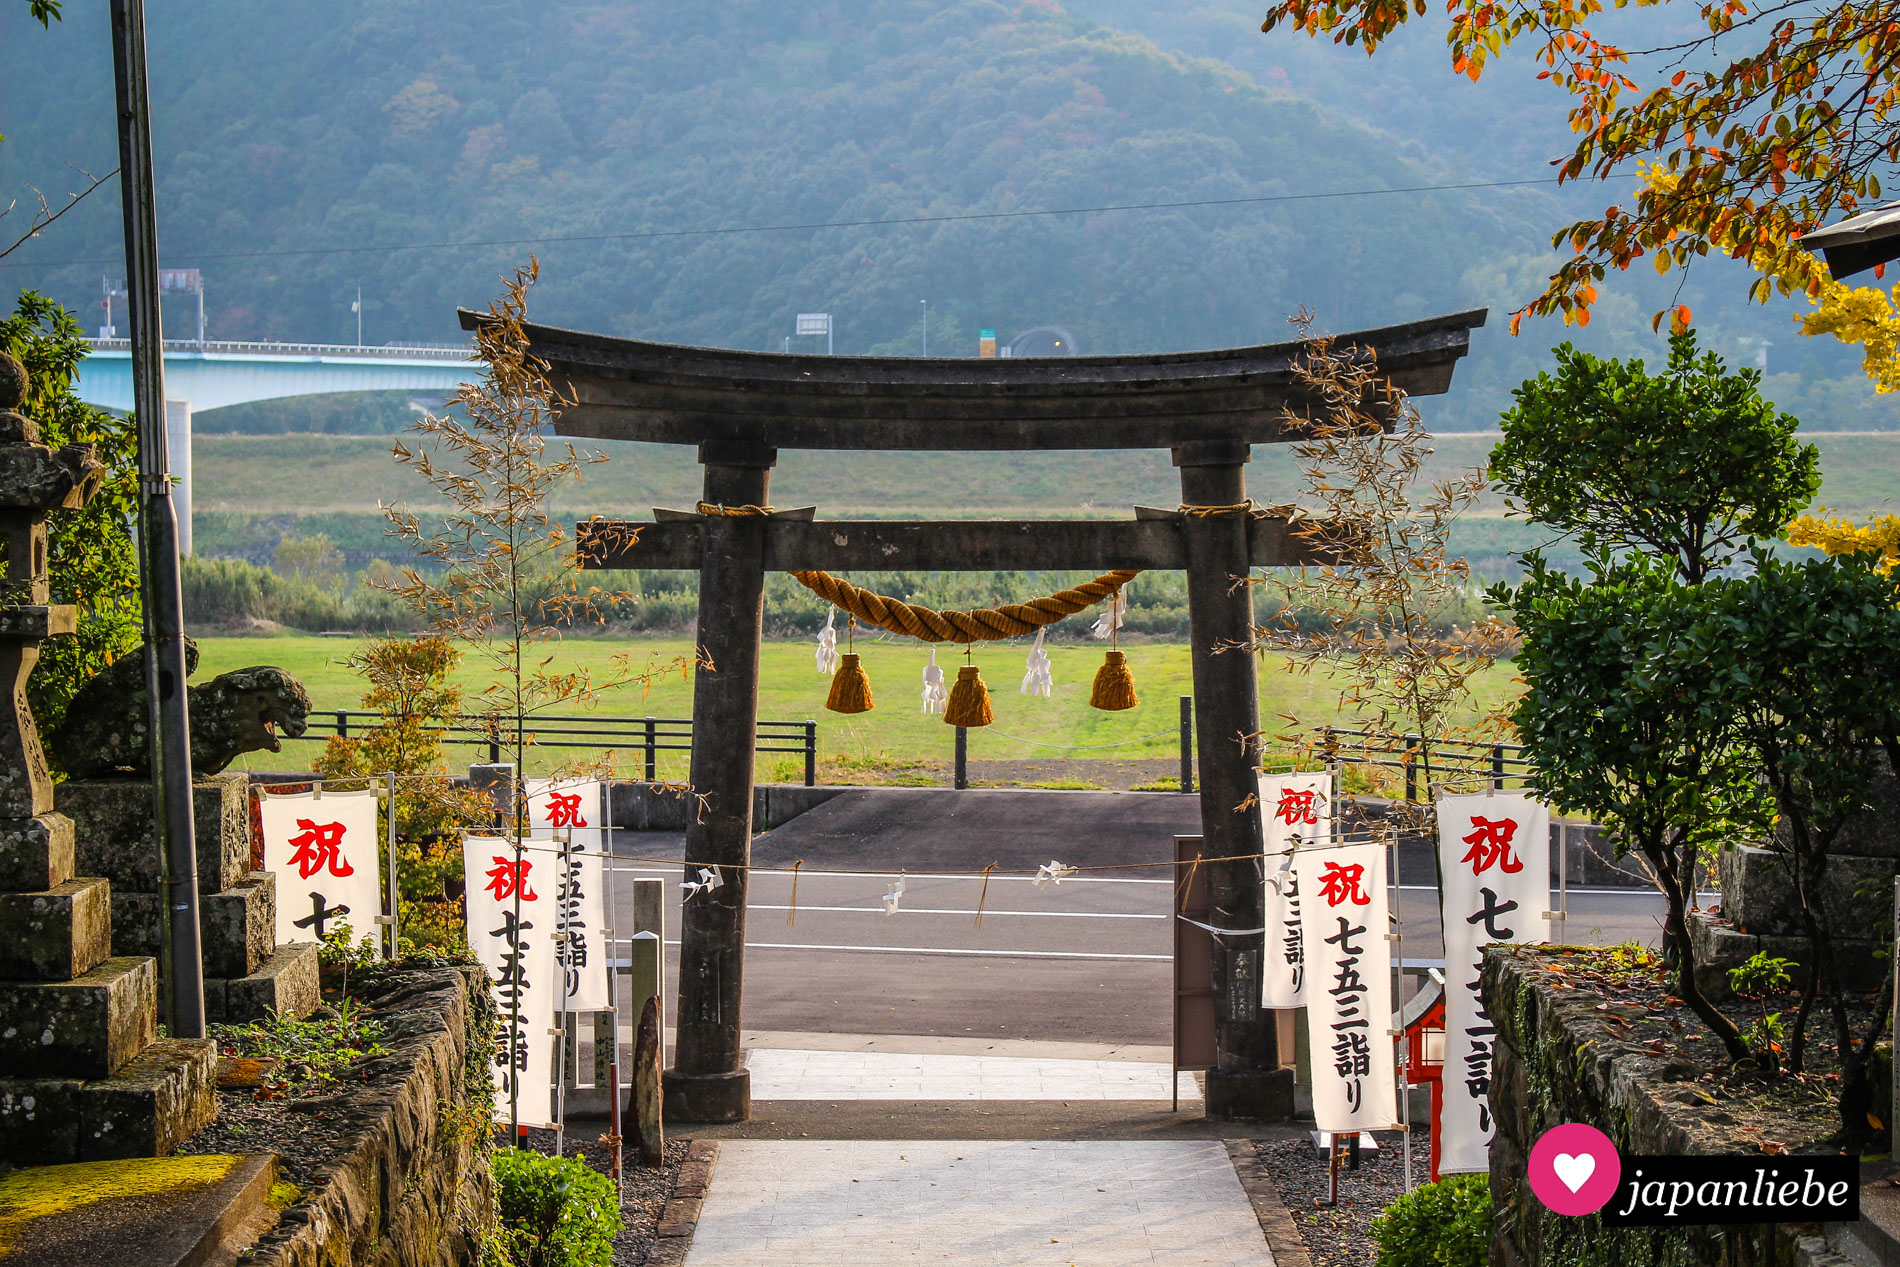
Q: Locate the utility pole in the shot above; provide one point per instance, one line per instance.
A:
(357, 308)
(926, 304)
(163, 608)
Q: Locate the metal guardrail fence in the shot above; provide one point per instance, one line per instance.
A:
(1464, 760)
(648, 735)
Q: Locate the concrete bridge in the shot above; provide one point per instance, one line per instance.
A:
(212, 375)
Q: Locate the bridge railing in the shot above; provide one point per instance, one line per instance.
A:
(647, 735)
(428, 351)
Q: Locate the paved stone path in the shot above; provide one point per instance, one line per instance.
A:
(799, 1074)
(1119, 1203)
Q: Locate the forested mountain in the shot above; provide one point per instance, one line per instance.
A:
(290, 137)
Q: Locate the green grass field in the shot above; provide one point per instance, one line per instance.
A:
(886, 741)
(302, 475)
(251, 491)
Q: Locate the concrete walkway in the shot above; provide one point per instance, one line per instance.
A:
(1006, 1153)
(1110, 1203)
(795, 1074)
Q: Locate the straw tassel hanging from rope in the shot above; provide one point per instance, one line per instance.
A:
(850, 685)
(1114, 681)
(969, 700)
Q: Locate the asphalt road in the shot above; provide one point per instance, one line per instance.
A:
(1085, 960)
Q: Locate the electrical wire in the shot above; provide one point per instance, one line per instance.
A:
(721, 231)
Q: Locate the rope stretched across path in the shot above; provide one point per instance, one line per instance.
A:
(1008, 620)
(927, 624)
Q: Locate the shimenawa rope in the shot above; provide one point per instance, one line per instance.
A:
(1008, 620)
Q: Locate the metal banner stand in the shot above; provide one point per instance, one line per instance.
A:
(1403, 1047)
(391, 945)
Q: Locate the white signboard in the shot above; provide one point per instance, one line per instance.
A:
(570, 814)
(323, 850)
(1295, 810)
(511, 918)
(1348, 987)
(1494, 852)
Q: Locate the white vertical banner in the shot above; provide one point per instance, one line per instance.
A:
(571, 814)
(1295, 810)
(1345, 918)
(511, 919)
(324, 853)
(1494, 852)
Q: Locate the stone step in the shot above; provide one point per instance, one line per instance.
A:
(36, 853)
(156, 1101)
(157, 1212)
(287, 982)
(84, 1028)
(117, 830)
(237, 928)
(1719, 947)
(58, 934)
(1759, 895)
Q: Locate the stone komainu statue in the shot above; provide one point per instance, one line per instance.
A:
(245, 710)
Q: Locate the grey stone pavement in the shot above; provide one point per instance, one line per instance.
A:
(928, 1089)
(1103, 1203)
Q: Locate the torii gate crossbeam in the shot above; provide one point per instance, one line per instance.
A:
(740, 408)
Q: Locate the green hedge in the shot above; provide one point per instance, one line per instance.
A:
(1443, 1224)
(555, 1211)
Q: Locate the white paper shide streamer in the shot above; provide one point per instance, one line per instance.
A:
(1344, 915)
(511, 922)
(1296, 810)
(935, 696)
(569, 813)
(324, 852)
(1038, 680)
(826, 655)
(1494, 852)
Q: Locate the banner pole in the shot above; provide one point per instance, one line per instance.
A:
(395, 891)
(1404, 1044)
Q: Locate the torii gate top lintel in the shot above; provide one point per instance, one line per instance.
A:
(629, 389)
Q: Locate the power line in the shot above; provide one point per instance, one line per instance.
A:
(826, 224)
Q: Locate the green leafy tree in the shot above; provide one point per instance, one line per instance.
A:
(314, 559)
(409, 686)
(1622, 719)
(91, 556)
(1686, 465)
(1801, 652)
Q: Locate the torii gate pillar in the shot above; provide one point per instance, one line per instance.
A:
(708, 1081)
(1247, 1081)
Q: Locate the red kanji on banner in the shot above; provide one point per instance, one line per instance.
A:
(1490, 843)
(319, 847)
(565, 810)
(1296, 807)
(505, 877)
(1339, 884)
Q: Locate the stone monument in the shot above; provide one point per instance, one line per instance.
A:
(102, 745)
(86, 1075)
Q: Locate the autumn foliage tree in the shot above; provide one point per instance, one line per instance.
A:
(1766, 121)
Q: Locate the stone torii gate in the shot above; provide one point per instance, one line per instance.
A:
(741, 408)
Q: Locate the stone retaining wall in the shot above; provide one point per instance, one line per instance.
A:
(415, 1190)
(1557, 1061)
